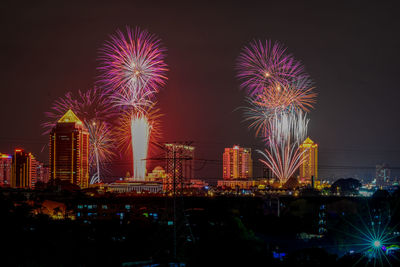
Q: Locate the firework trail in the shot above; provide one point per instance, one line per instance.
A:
(101, 147)
(140, 132)
(133, 62)
(263, 64)
(287, 132)
(136, 131)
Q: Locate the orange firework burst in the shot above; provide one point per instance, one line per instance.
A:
(279, 97)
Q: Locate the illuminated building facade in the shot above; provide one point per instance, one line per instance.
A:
(5, 169)
(157, 175)
(69, 151)
(42, 172)
(382, 175)
(237, 163)
(309, 168)
(23, 174)
(179, 165)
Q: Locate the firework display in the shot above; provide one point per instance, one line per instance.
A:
(132, 71)
(263, 64)
(288, 131)
(133, 63)
(280, 93)
(89, 105)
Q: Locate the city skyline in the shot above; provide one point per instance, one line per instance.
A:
(199, 133)
(345, 123)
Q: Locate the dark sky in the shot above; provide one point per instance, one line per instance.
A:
(350, 50)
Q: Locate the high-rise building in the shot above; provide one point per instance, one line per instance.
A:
(309, 168)
(42, 172)
(179, 165)
(382, 175)
(237, 163)
(5, 169)
(23, 170)
(69, 151)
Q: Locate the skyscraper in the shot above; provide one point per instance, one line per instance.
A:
(69, 151)
(5, 169)
(309, 167)
(237, 163)
(180, 159)
(23, 170)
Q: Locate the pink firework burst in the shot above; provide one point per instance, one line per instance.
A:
(133, 62)
(262, 64)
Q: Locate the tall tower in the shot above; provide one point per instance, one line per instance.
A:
(69, 151)
(237, 163)
(23, 170)
(309, 167)
(180, 159)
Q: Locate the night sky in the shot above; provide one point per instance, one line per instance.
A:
(350, 49)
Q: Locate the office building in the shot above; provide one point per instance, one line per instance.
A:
(179, 165)
(237, 163)
(5, 169)
(309, 168)
(23, 170)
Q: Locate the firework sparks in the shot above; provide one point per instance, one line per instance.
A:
(133, 62)
(101, 147)
(280, 97)
(283, 156)
(132, 71)
(262, 65)
(89, 105)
